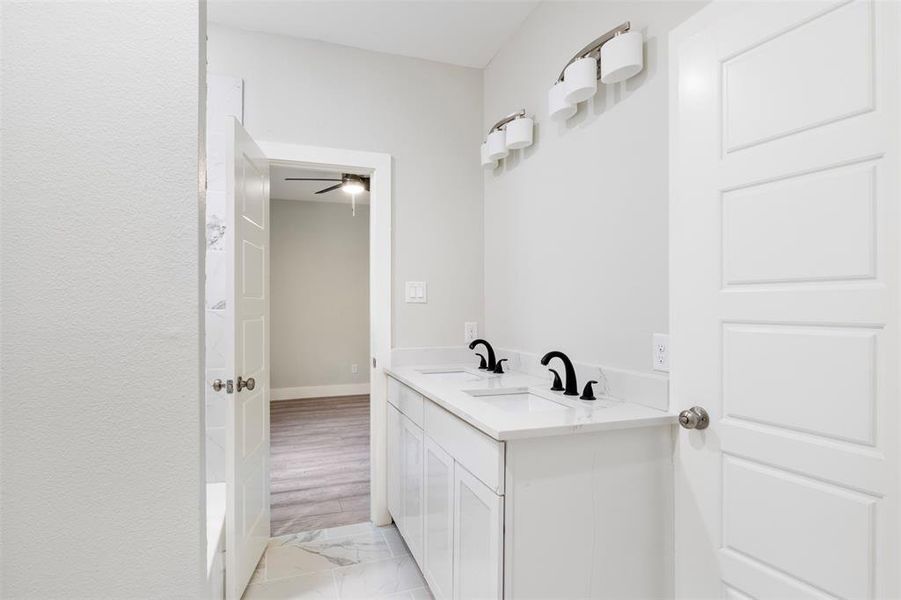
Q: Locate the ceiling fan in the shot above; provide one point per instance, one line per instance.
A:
(350, 183)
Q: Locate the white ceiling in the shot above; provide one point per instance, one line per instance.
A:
(305, 191)
(464, 32)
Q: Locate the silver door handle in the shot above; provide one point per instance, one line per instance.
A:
(694, 418)
(218, 385)
(248, 383)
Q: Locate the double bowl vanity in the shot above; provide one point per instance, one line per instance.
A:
(504, 489)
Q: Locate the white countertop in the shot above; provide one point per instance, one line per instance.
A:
(506, 418)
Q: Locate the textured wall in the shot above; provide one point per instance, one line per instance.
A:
(426, 115)
(576, 225)
(319, 286)
(100, 436)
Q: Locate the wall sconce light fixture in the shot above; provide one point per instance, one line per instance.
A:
(615, 56)
(510, 133)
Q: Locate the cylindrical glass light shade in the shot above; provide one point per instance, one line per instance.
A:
(557, 106)
(519, 133)
(622, 57)
(581, 79)
(487, 162)
(497, 145)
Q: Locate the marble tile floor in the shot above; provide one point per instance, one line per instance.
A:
(340, 563)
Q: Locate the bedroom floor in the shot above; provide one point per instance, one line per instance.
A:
(319, 463)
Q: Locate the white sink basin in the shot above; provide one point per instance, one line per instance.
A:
(516, 400)
(453, 375)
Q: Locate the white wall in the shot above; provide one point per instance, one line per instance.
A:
(319, 288)
(576, 225)
(426, 115)
(100, 436)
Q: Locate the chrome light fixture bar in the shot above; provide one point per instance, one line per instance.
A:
(611, 58)
(510, 133)
(595, 46)
(518, 114)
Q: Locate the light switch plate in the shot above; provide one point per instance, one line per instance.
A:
(660, 352)
(417, 292)
(470, 331)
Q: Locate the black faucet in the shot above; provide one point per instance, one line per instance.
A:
(572, 387)
(492, 363)
(482, 364)
(500, 366)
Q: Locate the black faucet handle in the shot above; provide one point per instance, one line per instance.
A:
(482, 363)
(558, 383)
(499, 368)
(588, 392)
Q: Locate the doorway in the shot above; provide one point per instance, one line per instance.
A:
(319, 348)
(240, 178)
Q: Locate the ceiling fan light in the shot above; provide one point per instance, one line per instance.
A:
(353, 185)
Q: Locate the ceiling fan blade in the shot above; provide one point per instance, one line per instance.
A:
(310, 179)
(328, 189)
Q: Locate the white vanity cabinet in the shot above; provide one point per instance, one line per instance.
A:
(573, 515)
(450, 519)
(438, 559)
(395, 465)
(412, 486)
(478, 538)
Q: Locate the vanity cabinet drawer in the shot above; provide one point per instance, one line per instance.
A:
(406, 400)
(481, 455)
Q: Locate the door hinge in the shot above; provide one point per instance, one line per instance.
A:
(373, 362)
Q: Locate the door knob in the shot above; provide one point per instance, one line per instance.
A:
(248, 383)
(218, 385)
(694, 418)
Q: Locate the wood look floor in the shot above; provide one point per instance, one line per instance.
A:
(319, 463)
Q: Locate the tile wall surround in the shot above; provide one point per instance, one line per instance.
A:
(648, 389)
(224, 97)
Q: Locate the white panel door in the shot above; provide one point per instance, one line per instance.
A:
(478, 538)
(395, 466)
(784, 299)
(247, 419)
(438, 559)
(412, 491)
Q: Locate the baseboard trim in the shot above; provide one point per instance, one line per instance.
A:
(318, 391)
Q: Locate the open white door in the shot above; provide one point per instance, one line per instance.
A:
(784, 299)
(247, 420)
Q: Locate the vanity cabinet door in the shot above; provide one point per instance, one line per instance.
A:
(395, 467)
(478, 538)
(438, 567)
(412, 491)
